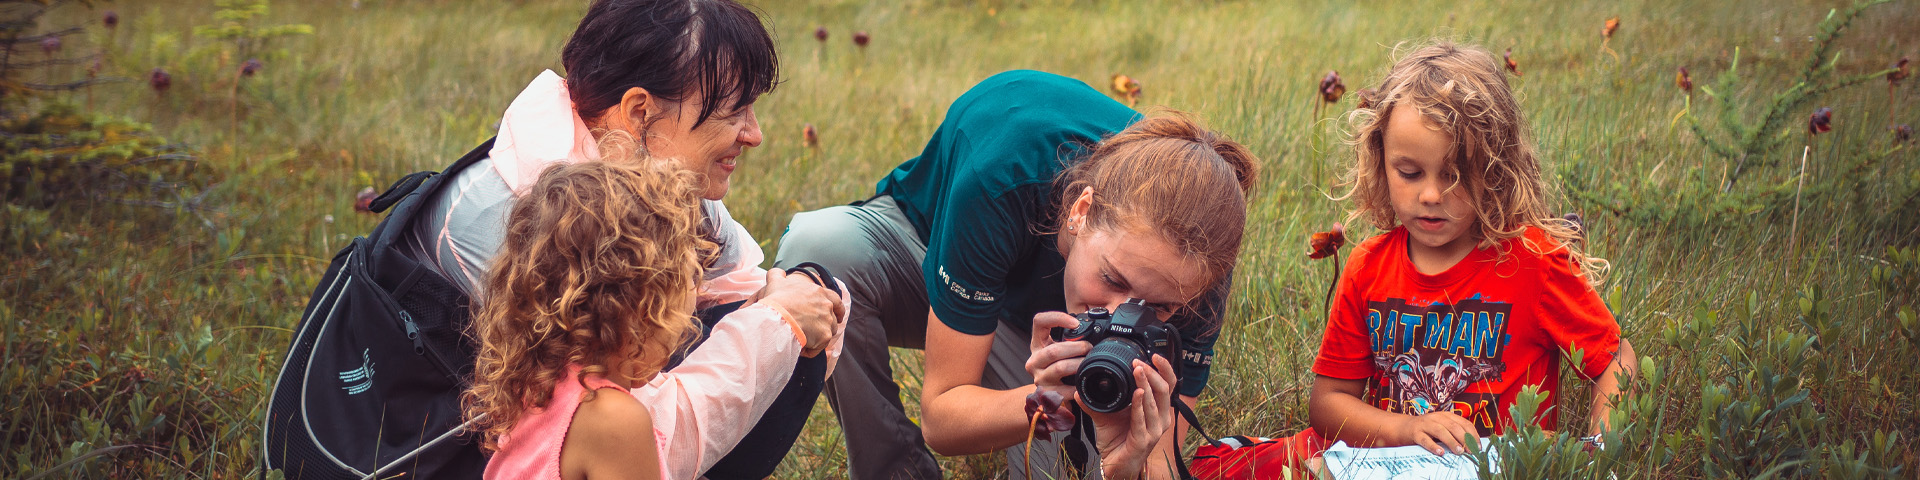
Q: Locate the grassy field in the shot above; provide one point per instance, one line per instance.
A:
(141, 341)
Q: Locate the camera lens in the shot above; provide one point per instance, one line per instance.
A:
(1105, 388)
(1106, 376)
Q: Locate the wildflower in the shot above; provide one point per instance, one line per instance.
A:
(1899, 72)
(1331, 89)
(363, 202)
(1366, 96)
(1578, 223)
(159, 80)
(1327, 243)
(50, 45)
(1821, 122)
(860, 38)
(1127, 88)
(1902, 133)
(811, 136)
(110, 19)
(820, 33)
(252, 66)
(1683, 80)
(1050, 406)
(1613, 24)
(1513, 68)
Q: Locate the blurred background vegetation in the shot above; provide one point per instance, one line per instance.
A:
(177, 172)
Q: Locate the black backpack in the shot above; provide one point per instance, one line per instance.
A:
(372, 382)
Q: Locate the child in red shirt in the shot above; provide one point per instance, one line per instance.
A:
(1476, 290)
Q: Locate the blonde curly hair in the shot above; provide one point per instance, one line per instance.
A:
(600, 268)
(1460, 90)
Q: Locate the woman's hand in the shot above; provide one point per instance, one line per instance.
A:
(1126, 439)
(1052, 362)
(1438, 432)
(814, 308)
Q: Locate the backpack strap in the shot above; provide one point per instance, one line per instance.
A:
(412, 181)
(423, 184)
(398, 190)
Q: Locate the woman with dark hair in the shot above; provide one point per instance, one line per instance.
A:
(674, 80)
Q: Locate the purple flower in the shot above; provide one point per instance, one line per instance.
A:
(820, 33)
(110, 19)
(252, 66)
(1331, 88)
(1578, 223)
(159, 80)
(1821, 122)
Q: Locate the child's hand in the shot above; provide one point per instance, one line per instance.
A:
(1436, 430)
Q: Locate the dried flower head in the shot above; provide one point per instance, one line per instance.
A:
(810, 136)
(1899, 72)
(1513, 68)
(252, 66)
(1683, 80)
(1331, 88)
(1821, 121)
(1902, 133)
(820, 33)
(159, 80)
(860, 38)
(1325, 244)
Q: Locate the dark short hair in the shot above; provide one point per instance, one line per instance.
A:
(671, 48)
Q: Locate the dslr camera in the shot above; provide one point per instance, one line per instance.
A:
(1130, 332)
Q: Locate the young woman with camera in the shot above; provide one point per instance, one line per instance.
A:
(1036, 196)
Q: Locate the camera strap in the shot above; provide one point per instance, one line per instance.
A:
(1186, 412)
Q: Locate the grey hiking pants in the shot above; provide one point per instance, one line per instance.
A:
(874, 249)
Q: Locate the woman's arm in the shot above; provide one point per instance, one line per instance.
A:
(1337, 412)
(710, 401)
(1608, 386)
(958, 416)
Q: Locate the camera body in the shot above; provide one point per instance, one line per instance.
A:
(1130, 332)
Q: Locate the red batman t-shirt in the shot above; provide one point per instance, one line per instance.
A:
(1465, 340)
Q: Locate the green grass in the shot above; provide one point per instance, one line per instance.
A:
(162, 328)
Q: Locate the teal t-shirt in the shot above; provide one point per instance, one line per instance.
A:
(982, 192)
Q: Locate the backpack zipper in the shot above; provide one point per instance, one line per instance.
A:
(413, 333)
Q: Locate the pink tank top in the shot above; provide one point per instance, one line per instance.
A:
(531, 449)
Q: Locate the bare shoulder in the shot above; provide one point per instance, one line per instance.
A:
(611, 437)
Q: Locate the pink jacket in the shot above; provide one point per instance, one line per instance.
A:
(704, 406)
